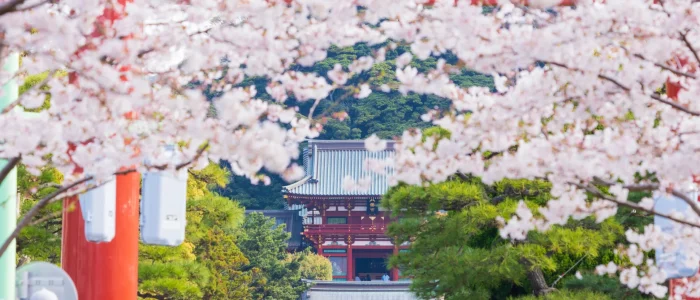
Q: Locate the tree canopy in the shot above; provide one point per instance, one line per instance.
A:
(313, 266)
(456, 251)
(275, 276)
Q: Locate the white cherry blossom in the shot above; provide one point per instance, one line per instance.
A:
(375, 144)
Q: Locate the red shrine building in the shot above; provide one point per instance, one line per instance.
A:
(348, 227)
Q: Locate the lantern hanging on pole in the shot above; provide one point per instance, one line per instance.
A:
(98, 207)
(164, 206)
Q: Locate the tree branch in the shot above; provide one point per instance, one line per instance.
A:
(151, 296)
(196, 156)
(684, 37)
(665, 67)
(48, 217)
(567, 271)
(30, 7)
(675, 105)
(627, 89)
(652, 187)
(26, 220)
(313, 107)
(492, 155)
(49, 184)
(652, 96)
(596, 192)
(10, 6)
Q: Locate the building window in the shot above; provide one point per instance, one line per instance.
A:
(340, 265)
(337, 220)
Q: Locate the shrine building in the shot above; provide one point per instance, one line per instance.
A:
(348, 227)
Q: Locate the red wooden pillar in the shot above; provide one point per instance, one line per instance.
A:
(350, 265)
(105, 271)
(395, 271)
(674, 282)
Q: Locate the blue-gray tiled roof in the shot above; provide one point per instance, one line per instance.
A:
(326, 163)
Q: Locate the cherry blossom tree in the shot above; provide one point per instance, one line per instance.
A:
(596, 94)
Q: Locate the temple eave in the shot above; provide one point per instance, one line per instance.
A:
(314, 196)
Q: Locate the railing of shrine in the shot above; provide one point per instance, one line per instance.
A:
(345, 228)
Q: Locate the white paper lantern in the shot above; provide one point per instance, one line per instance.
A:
(98, 207)
(163, 208)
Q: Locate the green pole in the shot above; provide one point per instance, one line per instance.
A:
(8, 193)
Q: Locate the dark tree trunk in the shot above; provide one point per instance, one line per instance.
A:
(536, 278)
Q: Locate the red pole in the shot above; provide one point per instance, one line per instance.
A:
(350, 276)
(105, 271)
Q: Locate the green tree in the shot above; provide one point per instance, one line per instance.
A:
(201, 183)
(40, 241)
(313, 266)
(171, 272)
(609, 286)
(456, 251)
(264, 244)
(208, 264)
(212, 225)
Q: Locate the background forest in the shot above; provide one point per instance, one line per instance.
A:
(456, 253)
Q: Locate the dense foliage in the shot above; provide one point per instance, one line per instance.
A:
(274, 276)
(456, 251)
(211, 268)
(313, 266)
(42, 240)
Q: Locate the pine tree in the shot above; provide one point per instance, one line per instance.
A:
(456, 251)
(264, 244)
(213, 222)
(208, 264)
